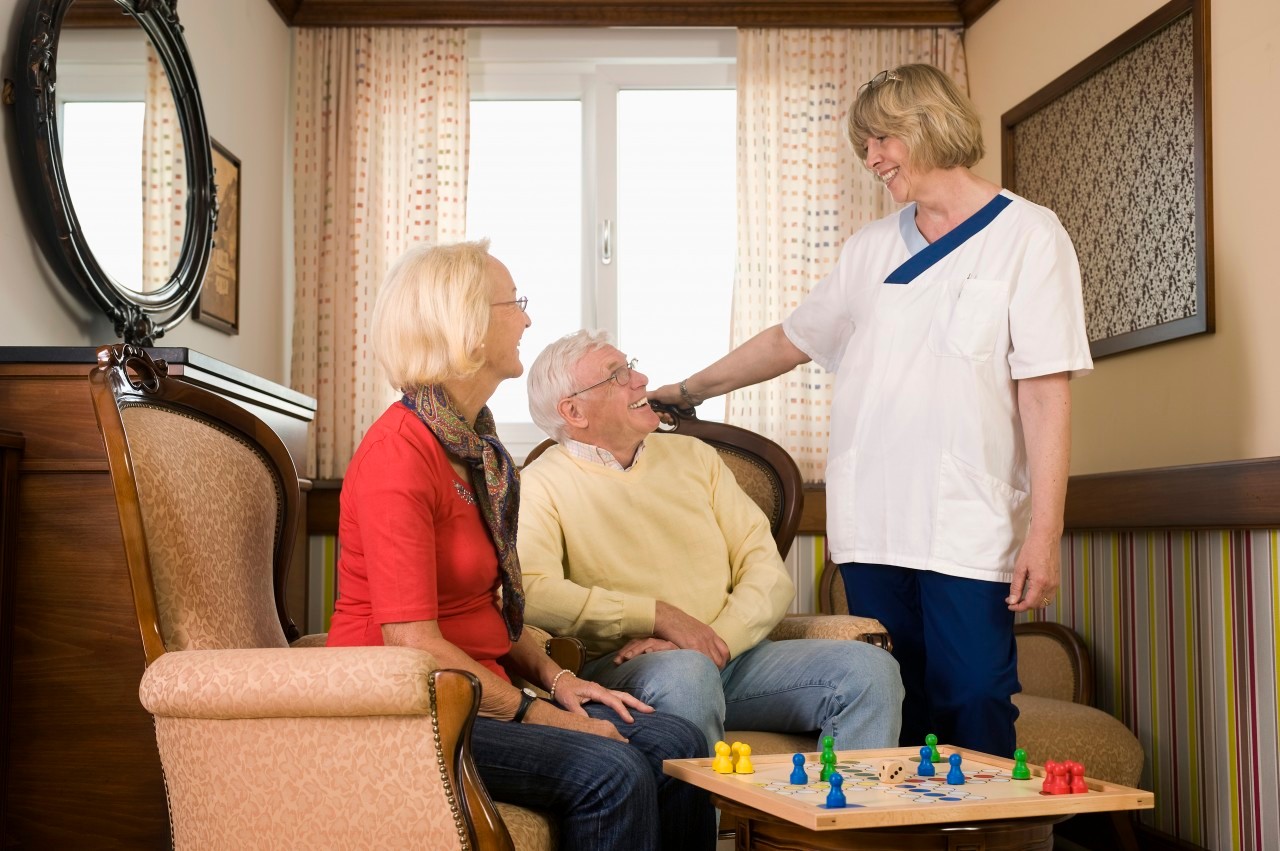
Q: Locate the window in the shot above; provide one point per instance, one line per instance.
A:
(603, 170)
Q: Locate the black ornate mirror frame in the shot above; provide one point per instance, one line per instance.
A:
(139, 318)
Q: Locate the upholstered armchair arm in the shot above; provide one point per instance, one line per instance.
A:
(287, 683)
(846, 627)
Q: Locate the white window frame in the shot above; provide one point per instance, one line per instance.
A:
(593, 65)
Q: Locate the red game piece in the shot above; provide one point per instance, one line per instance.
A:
(1078, 786)
(1046, 785)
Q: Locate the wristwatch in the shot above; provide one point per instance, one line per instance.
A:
(527, 697)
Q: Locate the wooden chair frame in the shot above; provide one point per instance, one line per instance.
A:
(127, 375)
(113, 387)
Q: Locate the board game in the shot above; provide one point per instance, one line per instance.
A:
(989, 790)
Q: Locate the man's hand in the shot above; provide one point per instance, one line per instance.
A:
(1036, 574)
(640, 646)
(689, 633)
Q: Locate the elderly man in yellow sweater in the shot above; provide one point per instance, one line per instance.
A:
(644, 547)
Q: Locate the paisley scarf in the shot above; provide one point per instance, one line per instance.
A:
(493, 478)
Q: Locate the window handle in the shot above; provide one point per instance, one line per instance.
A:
(606, 242)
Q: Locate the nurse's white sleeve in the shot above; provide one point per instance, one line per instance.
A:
(1046, 313)
(821, 326)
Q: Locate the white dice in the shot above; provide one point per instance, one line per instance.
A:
(892, 771)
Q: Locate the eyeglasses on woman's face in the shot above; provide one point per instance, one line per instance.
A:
(622, 375)
(878, 80)
(522, 303)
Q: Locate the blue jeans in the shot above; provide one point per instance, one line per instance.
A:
(605, 794)
(846, 689)
(954, 639)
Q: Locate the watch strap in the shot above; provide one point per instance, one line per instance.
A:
(527, 698)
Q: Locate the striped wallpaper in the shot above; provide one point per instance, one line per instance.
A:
(1182, 627)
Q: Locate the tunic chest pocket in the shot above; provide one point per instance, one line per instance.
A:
(968, 318)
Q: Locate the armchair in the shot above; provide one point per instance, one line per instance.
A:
(264, 745)
(771, 478)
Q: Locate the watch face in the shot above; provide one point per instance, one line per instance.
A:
(528, 692)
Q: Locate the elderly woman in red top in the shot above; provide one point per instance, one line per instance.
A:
(428, 560)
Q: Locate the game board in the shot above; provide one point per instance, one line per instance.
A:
(989, 792)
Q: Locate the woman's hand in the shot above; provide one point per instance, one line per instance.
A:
(667, 394)
(572, 692)
(1036, 574)
(545, 713)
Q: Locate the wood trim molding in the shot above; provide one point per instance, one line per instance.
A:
(971, 10)
(1223, 495)
(626, 13)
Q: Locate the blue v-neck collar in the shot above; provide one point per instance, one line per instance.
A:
(921, 261)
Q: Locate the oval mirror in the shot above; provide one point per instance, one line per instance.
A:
(117, 160)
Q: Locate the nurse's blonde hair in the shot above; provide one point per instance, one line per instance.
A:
(923, 107)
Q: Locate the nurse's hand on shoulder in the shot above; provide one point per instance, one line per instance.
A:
(1036, 574)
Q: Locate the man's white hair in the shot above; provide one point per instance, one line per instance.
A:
(552, 378)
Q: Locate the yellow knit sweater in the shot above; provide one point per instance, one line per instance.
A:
(599, 547)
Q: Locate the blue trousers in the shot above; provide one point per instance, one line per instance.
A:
(846, 689)
(605, 794)
(953, 638)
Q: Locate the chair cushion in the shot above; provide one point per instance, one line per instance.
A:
(530, 830)
(1049, 729)
(1045, 667)
(766, 742)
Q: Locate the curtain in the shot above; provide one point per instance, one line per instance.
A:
(164, 187)
(380, 148)
(802, 193)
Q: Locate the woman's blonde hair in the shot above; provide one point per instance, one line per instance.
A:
(924, 108)
(432, 313)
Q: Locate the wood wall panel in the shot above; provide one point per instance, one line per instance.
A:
(80, 766)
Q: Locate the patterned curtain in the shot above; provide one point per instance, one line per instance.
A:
(164, 187)
(380, 158)
(801, 193)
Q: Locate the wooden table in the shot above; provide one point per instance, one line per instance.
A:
(990, 812)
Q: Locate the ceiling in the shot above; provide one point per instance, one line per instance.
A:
(632, 13)
(591, 13)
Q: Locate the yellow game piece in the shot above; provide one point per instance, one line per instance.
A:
(744, 765)
(734, 752)
(722, 764)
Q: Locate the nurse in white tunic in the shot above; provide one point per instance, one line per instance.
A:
(953, 327)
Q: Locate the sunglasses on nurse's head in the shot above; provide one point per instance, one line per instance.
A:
(878, 80)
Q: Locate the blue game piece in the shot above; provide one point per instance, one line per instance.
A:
(798, 777)
(926, 764)
(835, 798)
(955, 777)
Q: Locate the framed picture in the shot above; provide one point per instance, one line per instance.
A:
(219, 302)
(1118, 147)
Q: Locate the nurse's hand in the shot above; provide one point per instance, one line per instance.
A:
(1037, 573)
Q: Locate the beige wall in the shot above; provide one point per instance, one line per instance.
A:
(1200, 399)
(241, 51)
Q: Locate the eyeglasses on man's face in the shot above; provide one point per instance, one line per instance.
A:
(878, 80)
(522, 303)
(622, 375)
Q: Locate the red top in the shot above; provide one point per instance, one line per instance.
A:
(414, 546)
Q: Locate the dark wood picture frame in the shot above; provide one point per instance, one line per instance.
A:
(1119, 148)
(219, 302)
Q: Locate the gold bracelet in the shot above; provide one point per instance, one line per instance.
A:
(551, 692)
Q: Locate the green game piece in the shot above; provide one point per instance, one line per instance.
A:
(827, 758)
(932, 741)
(1020, 770)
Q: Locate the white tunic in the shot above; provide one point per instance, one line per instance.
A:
(927, 467)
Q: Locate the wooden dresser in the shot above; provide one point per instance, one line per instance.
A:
(80, 766)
